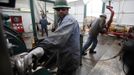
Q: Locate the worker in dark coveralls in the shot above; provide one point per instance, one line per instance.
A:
(43, 22)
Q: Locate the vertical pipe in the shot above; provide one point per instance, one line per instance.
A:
(103, 7)
(5, 65)
(85, 10)
(33, 20)
(45, 9)
(81, 45)
(45, 6)
(82, 32)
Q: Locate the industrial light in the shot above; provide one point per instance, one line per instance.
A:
(25, 9)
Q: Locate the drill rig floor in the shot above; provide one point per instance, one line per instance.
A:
(103, 62)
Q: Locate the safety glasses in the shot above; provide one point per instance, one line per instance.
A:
(62, 9)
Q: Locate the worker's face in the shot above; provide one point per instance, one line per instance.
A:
(62, 11)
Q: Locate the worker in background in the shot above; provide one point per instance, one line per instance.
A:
(65, 41)
(43, 22)
(95, 28)
(99, 25)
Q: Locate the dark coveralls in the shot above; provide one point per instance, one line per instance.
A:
(65, 40)
(44, 24)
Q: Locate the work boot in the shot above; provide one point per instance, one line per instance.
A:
(84, 53)
(92, 51)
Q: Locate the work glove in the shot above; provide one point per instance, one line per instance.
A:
(103, 31)
(37, 52)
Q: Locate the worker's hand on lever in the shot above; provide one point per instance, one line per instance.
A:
(109, 7)
(32, 55)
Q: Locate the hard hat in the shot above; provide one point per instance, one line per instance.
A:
(103, 15)
(61, 4)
